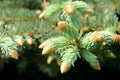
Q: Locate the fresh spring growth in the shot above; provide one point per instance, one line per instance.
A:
(69, 9)
(64, 67)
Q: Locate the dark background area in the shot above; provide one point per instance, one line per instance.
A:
(81, 71)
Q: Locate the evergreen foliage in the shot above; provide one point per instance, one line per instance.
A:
(60, 33)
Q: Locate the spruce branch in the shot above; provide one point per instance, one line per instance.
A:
(19, 19)
(19, 40)
(89, 57)
(80, 6)
(71, 31)
(109, 53)
(58, 42)
(94, 39)
(70, 55)
(108, 36)
(76, 20)
(51, 58)
(7, 46)
(86, 41)
(15, 13)
(72, 16)
(52, 10)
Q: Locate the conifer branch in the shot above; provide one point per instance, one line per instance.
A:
(18, 19)
(91, 40)
(89, 57)
(57, 43)
(71, 31)
(66, 30)
(52, 10)
(70, 55)
(7, 46)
